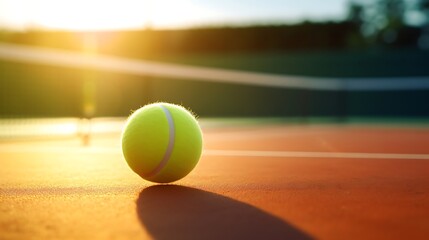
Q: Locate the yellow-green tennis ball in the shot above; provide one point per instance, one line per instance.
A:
(162, 142)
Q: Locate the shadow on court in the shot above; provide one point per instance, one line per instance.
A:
(176, 212)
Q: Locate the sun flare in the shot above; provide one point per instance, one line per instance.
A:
(100, 15)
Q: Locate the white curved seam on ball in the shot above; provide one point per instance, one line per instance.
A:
(170, 146)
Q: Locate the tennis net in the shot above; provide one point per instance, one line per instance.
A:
(38, 82)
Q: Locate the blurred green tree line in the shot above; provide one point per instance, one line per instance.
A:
(381, 23)
(143, 43)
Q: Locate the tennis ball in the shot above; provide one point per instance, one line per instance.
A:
(162, 142)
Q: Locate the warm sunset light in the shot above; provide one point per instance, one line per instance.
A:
(219, 119)
(87, 15)
(99, 15)
(159, 14)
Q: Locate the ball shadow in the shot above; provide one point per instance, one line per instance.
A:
(176, 212)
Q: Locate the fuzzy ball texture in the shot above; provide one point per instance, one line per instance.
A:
(162, 142)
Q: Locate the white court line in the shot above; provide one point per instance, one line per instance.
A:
(286, 154)
(221, 153)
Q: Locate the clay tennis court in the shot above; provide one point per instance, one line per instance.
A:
(259, 181)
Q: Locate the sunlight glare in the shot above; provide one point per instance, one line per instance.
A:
(102, 15)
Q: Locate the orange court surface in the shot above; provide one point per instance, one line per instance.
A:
(254, 181)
